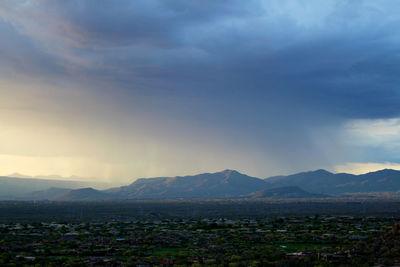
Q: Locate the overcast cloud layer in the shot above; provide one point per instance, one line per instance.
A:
(123, 89)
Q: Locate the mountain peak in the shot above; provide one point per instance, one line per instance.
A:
(18, 175)
(321, 171)
(386, 171)
(228, 173)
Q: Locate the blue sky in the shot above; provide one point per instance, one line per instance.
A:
(127, 89)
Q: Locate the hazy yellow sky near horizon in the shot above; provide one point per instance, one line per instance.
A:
(46, 134)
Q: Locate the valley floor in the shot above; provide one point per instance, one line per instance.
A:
(31, 211)
(201, 232)
(242, 241)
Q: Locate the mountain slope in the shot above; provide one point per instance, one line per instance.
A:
(285, 192)
(322, 181)
(84, 194)
(48, 194)
(12, 188)
(225, 184)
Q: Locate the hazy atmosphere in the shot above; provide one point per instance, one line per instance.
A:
(117, 90)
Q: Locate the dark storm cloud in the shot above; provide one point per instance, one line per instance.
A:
(19, 54)
(346, 63)
(122, 23)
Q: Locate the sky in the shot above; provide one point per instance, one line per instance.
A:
(117, 90)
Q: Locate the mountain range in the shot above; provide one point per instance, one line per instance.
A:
(220, 185)
(14, 188)
(29, 187)
(322, 181)
(225, 184)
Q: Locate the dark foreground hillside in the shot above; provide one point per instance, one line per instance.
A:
(237, 241)
(381, 250)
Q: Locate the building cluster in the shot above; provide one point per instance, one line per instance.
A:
(188, 241)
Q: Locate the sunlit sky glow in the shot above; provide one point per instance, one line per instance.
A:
(118, 90)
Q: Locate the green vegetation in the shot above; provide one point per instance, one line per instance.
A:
(312, 240)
